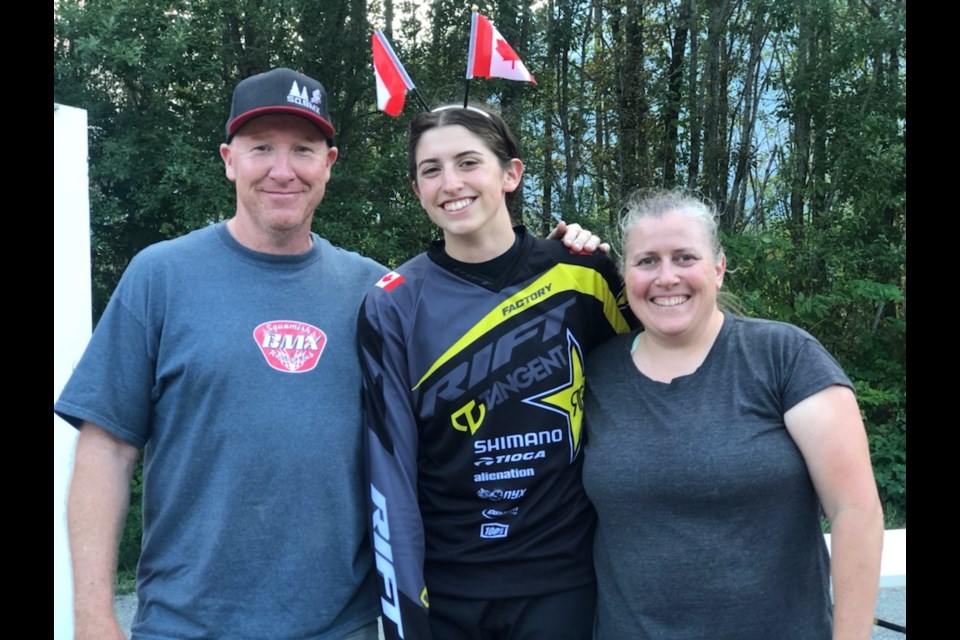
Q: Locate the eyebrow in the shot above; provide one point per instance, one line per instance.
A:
(265, 136)
(468, 152)
(651, 252)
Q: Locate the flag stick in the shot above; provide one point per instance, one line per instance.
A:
(470, 51)
(890, 625)
(423, 103)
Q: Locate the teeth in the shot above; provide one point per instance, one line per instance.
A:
(670, 302)
(456, 205)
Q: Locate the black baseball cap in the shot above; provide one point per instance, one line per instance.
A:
(279, 90)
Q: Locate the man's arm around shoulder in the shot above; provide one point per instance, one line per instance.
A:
(96, 510)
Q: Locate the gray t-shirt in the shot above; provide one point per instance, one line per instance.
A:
(238, 374)
(708, 523)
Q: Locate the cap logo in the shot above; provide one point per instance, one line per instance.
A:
(296, 92)
(316, 98)
(290, 346)
(301, 98)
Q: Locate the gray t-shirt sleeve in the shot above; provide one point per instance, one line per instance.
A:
(812, 370)
(112, 383)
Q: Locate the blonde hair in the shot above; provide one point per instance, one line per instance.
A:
(643, 204)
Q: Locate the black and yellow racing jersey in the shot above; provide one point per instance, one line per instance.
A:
(473, 399)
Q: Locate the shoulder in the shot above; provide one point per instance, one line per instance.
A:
(610, 352)
(758, 334)
(407, 277)
(617, 344)
(169, 260)
(593, 273)
(350, 264)
(562, 255)
(762, 326)
(399, 288)
(170, 252)
(783, 353)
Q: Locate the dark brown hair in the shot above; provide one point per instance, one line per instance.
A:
(481, 122)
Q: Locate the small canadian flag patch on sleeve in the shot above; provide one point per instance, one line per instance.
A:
(390, 281)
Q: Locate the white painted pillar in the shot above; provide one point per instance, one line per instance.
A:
(72, 322)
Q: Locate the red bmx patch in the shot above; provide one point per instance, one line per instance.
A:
(290, 346)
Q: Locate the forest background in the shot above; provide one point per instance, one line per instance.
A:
(790, 115)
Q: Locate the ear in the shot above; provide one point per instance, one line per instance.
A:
(721, 269)
(225, 153)
(332, 154)
(416, 187)
(512, 175)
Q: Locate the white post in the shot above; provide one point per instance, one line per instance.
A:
(893, 561)
(71, 324)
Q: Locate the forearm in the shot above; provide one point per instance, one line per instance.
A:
(829, 431)
(391, 444)
(856, 545)
(397, 530)
(96, 509)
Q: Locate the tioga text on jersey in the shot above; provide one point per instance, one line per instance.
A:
(474, 406)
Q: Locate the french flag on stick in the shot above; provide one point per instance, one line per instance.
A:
(490, 56)
(392, 79)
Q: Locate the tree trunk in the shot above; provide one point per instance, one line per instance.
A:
(745, 155)
(634, 169)
(671, 112)
(800, 136)
(714, 120)
(693, 100)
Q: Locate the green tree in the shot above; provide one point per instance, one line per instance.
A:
(789, 115)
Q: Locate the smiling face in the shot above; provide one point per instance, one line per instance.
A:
(280, 165)
(672, 277)
(462, 186)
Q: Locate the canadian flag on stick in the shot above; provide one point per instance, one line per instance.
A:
(392, 79)
(490, 56)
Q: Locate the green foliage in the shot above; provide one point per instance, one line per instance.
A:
(856, 315)
(790, 115)
(129, 553)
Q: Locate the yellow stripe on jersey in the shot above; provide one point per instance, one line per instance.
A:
(559, 279)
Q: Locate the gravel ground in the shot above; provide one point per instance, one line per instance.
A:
(891, 606)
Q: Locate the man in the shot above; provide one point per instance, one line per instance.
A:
(229, 355)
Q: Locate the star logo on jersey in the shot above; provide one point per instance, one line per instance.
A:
(290, 346)
(567, 399)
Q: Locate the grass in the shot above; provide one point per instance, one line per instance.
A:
(126, 582)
